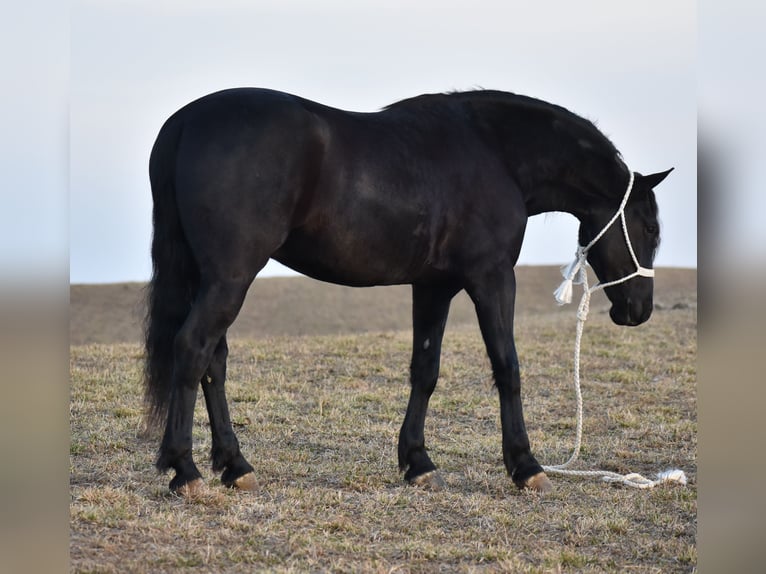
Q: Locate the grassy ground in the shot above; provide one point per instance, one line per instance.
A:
(318, 417)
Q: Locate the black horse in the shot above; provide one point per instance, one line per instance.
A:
(433, 191)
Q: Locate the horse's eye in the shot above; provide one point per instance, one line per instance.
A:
(652, 229)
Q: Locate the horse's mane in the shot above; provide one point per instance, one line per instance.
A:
(584, 129)
(503, 98)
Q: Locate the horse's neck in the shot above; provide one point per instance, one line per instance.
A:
(547, 162)
(543, 195)
(567, 187)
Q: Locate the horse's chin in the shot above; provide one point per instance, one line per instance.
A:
(630, 315)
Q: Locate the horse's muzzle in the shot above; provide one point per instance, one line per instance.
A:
(631, 313)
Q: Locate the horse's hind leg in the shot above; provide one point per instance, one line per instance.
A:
(215, 308)
(225, 453)
(430, 306)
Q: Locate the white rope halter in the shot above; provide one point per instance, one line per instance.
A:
(576, 272)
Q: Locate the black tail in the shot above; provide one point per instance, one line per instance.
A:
(175, 277)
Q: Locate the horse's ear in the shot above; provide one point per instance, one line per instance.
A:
(653, 180)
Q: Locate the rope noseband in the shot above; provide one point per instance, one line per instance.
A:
(576, 272)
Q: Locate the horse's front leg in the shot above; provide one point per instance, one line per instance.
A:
(430, 306)
(494, 296)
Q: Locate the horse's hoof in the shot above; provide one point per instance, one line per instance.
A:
(190, 489)
(539, 483)
(431, 480)
(246, 482)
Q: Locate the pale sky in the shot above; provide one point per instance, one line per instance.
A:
(629, 67)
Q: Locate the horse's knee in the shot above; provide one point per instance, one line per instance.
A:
(508, 378)
(424, 372)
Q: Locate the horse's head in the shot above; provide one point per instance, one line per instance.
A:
(611, 257)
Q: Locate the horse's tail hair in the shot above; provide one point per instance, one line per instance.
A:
(175, 277)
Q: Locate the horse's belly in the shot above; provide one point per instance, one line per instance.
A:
(356, 259)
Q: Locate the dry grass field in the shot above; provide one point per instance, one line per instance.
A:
(318, 388)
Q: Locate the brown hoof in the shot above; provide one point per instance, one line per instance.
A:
(430, 481)
(539, 483)
(246, 482)
(191, 489)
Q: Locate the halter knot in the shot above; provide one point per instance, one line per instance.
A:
(572, 273)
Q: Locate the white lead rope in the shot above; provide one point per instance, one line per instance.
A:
(576, 272)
